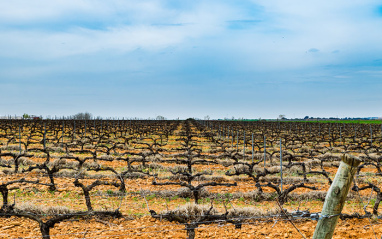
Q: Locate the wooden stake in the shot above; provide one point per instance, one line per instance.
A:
(335, 198)
(244, 145)
(252, 149)
(20, 138)
(44, 135)
(265, 150)
(281, 167)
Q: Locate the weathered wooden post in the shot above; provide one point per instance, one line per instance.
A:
(44, 135)
(371, 135)
(93, 128)
(85, 130)
(20, 138)
(281, 167)
(341, 134)
(253, 153)
(74, 128)
(237, 140)
(244, 145)
(232, 139)
(63, 131)
(265, 150)
(335, 198)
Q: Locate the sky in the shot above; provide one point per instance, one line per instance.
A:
(191, 58)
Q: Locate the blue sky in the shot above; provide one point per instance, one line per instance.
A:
(191, 58)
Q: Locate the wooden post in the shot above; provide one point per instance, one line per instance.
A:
(63, 131)
(371, 135)
(232, 139)
(335, 198)
(74, 128)
(329, 130)
(20, 138)
(44, 135)
(281, 167)
(341, 134)
(253, 153)
(237, 140)
(310, 129)
(265, 150)
(244, 145)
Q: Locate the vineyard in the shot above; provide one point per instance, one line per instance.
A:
(183, 178)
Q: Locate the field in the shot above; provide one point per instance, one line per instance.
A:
(346, 121)
(179, 179)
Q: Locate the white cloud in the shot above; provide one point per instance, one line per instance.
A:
(147, 28)
(24, 10)
(290, 28)
(280, 40)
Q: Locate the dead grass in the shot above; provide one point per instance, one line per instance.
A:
(250, 212)
(41, 209)
(192, 211)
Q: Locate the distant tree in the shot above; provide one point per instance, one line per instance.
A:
(82, 116)
(207, 117)
(25, 116)
(281, 117)
(159, 117)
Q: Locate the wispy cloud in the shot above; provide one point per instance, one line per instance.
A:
(313, 50)
(242, 24)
